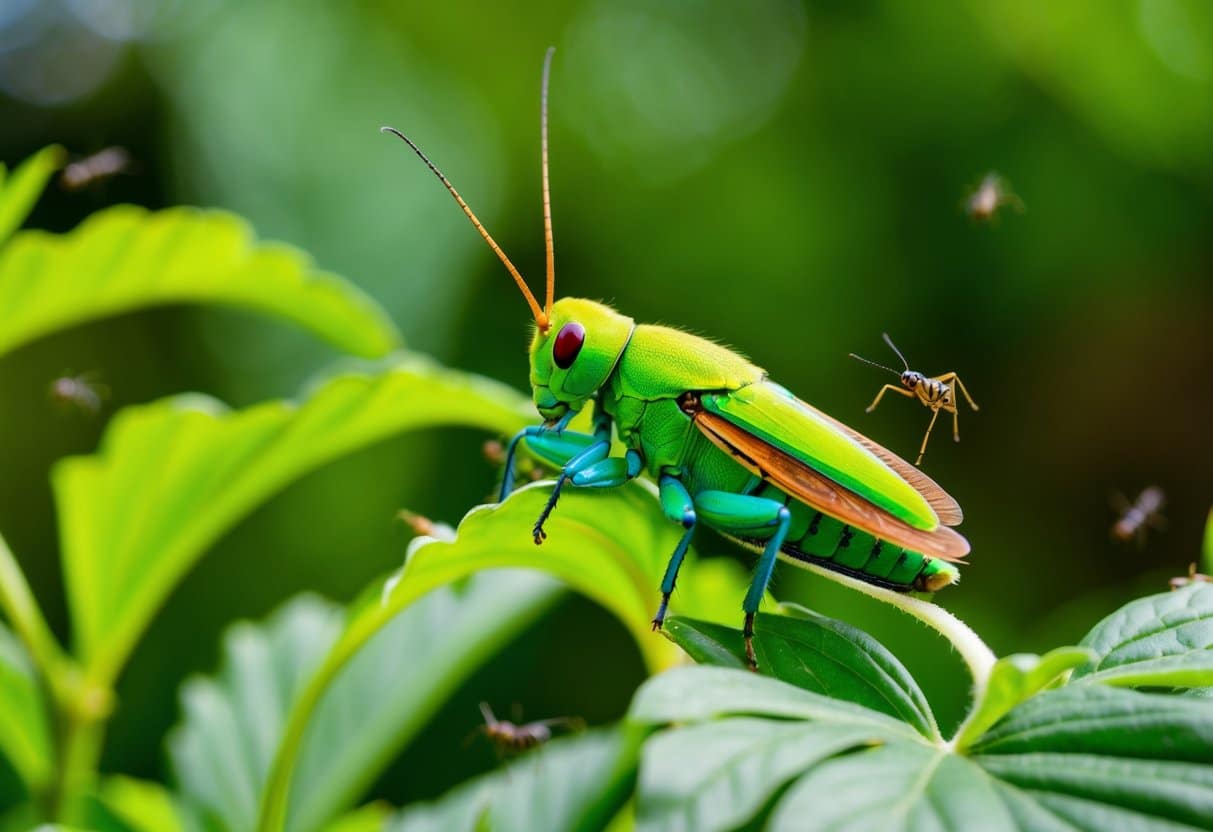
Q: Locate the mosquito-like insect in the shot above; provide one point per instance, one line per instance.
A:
(936, 392)
(82, 392)
(1193, 577)
(513, 737)
(495, 452)
(423, 526)
(96, 168)
(982, 205)
(1137, 517)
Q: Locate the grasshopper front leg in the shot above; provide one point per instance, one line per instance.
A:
(583, 460)
(591, 468)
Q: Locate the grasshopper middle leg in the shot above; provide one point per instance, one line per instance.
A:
(747, 516)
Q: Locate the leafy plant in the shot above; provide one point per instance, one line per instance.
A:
(1037, 751)
(310, 705)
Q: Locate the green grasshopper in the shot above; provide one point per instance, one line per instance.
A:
(729, 448)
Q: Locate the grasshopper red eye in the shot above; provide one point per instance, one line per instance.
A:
(568, 344)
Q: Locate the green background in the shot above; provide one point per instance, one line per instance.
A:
(786, 178)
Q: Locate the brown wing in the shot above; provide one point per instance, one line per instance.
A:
(825, 495)
(941, 502)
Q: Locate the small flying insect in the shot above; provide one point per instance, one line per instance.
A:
(1138, 517)
(1193, 577)
(982, 205)
(423, 526)
(91, 170)
(82, 392)
(937, 393)
(526, 467)
(513, 738)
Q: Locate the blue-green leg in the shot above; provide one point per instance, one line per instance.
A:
(677, 505)
(553, 445)
(744, 515)
(592, 468)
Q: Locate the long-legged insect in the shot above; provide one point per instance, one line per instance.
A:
(514, 738)
(82, 392)
(1139, 516)
(1193, 577)
(983, 203)
(935, 392)
(423, 526)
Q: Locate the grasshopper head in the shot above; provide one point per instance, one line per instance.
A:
(575, 355)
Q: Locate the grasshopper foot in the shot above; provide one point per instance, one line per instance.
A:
(659, 618)
(747, 633)
(537, 532)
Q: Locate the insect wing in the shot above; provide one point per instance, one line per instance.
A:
(831, 468)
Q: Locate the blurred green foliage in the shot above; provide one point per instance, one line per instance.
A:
(788, 181)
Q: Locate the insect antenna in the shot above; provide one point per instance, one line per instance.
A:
(889, 341)
(541, 317)
(547, 199)
(873, 363)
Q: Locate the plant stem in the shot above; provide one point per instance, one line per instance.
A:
(79, 754)
(19, 605)
(978, 658)
(81, 707)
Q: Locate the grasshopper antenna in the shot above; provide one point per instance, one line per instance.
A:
(541, 317)
(547, 199)
(889, 341)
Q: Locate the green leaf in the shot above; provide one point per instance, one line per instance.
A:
(748, 751)
(572, 783)
(370, 818)
(898, 786)
(694, 694)
(1176, 791)
(1013, 680)
(173, 476)
(390, 690)
(25, 737)
(1101, 757)
(1163, 640)
(612, 546)
(233, 725)
(126, 258)
(817, 654)
(141, 805)
(21, 190)
(718, 775)
(1105, 721)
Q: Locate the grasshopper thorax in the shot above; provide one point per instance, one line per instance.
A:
(576, 354)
